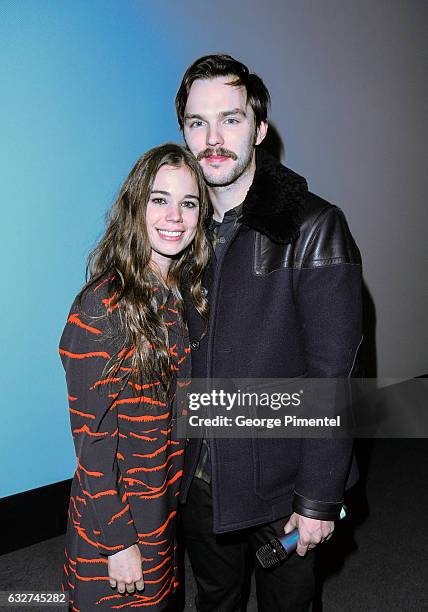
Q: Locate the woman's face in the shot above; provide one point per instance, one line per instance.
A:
(172, 214)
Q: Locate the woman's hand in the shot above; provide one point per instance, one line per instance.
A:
(125, 570)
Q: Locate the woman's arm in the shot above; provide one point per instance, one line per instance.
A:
(85, 348)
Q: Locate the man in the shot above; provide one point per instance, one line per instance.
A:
(285, 301)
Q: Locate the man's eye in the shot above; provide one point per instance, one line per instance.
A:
(196, 123)
(231, 121)
(189, 204)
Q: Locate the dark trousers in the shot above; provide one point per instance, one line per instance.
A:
(218, 562)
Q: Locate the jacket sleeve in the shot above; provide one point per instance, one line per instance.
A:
(85, 348)
(328, 296)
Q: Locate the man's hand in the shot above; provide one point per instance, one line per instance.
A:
(311, 532)
(125, 570)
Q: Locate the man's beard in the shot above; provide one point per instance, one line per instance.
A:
(212, 179)
(230, 177)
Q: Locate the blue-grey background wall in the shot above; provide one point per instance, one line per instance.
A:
(88, 86)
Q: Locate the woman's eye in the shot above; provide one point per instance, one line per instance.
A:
(158, 201)
(189, 204)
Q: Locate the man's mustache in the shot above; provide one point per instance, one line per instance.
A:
(218, 151)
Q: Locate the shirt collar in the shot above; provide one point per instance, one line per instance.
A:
(230, 216)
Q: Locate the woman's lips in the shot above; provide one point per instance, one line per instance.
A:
(170, 235)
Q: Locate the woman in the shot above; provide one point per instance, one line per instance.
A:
(123, 348)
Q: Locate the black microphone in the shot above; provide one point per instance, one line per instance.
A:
(279, 549)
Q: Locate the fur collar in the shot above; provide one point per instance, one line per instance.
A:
(274, 203)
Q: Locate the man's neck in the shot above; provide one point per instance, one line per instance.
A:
(226, 197)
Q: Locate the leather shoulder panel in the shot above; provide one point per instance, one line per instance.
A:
(324, 239)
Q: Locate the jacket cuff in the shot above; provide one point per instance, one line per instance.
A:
(321, 510)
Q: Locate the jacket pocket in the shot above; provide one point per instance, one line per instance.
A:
(276, 459)
(275, 462)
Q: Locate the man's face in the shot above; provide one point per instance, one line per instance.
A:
(219, 129)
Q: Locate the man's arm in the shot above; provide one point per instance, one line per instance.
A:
(328, 297)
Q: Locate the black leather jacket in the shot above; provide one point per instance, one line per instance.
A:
(285, 301)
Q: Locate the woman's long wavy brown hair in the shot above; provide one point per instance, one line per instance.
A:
(124, 252)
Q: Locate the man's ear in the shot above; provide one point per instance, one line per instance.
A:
(261, 132)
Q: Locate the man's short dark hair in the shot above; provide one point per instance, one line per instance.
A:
(212, 66)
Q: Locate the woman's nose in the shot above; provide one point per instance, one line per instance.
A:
(174, 213)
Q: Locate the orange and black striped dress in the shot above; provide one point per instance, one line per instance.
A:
(129, 460)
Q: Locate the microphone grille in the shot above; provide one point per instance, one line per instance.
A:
(271, 554)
